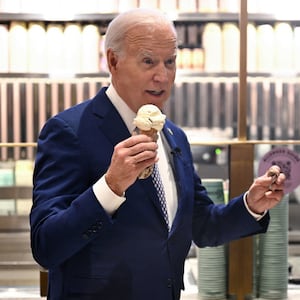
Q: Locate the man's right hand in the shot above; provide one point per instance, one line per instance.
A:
(129, 159)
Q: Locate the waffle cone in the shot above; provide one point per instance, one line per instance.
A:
(152, 133)
(146, 172)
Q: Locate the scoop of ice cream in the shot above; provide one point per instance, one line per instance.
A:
(149, 117)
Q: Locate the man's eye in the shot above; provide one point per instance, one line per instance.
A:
(170, 61)
(148, 61)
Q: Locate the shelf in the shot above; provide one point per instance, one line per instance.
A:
(14, 223)
(106, 17)
(7, 17)
(271, 18)
(15, 192)
(176, 17)
(181, 73)
(54, 75)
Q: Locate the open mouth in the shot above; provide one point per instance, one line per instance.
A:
(155, 93)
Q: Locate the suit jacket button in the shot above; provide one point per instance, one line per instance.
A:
(169, 283)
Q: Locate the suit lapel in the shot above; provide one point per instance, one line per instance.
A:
(177, 163)
(108, 119)
(174, 154)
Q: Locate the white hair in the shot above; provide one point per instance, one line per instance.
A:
(120, 25)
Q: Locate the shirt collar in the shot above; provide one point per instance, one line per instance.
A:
(123, 109)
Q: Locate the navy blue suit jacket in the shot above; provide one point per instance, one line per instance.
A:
(130, 255)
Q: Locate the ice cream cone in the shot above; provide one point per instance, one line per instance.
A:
(149, 121)
(153, 134)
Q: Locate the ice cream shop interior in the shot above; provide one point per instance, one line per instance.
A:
(236, 95)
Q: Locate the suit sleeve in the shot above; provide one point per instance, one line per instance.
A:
(214, 225)
(65, 213)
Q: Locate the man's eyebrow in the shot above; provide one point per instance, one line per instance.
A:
(146, 53)
(151, 54)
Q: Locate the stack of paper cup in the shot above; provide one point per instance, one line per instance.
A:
(273, 256)
(212, 264)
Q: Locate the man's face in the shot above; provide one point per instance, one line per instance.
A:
(145, 72)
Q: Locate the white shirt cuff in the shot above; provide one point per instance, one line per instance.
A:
(107, 198)
(254, 215)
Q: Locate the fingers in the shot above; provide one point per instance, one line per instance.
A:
(275, 193)
(132, 155)
(136, 149)
(267, 190)
(273, 172)
(135, 139)
(129, 158)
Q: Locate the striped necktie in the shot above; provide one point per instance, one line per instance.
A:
(160, 192)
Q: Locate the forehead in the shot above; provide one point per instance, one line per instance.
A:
(151, 39)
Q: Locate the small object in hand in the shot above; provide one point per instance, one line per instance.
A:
(149, 121)
(273, 172)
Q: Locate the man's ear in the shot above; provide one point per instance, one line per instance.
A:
(112, 60)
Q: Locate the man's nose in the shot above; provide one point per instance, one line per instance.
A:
(161, 74)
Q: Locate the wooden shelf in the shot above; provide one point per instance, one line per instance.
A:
(14, 223)
(16, 192)
(176, 17)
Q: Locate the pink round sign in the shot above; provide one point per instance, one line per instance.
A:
(289, 162)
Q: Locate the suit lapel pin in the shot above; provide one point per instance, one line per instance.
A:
(170, 131)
